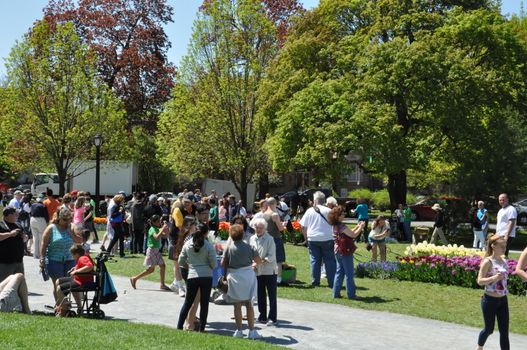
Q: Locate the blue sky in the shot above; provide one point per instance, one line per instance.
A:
(16, 17)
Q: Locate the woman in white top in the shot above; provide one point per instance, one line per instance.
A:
(493, 275)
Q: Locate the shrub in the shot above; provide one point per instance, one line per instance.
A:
(381, 200)
(410, 198)
(361, 193)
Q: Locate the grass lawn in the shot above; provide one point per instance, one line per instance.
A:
(446, 303)
(19, 331)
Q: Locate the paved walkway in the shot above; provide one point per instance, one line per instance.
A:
(303, 325)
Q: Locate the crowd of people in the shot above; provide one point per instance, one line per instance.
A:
(250, 260)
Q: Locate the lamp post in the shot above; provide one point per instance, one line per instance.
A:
(97, 141)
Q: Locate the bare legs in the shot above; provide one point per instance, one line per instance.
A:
(238, 314)
(17, 282)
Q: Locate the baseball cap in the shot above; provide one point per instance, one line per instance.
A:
(17, 192)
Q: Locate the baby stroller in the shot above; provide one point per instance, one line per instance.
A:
(104, 292)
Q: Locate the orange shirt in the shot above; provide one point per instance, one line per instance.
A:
(51, 205)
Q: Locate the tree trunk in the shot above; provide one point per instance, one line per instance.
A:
(62, 173)
(397, 189)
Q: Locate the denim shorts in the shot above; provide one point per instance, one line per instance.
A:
(58, 269)
(376, 241)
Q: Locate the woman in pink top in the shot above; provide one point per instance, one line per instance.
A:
(493, 275)
(78, 213)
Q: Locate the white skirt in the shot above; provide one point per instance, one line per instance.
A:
(242, 284)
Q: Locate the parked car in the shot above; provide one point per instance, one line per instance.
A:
(168, 195)
(301, 199)
(521, 207)
(349, 205)
(456, 209)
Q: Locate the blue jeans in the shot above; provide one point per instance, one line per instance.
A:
(495, 308)
(344, 268)
(318, 252)
(407, 225)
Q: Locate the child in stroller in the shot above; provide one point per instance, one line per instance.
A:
(81, 277)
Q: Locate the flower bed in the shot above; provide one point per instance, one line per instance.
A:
(377, 270)
(456, 270)
(428, 249)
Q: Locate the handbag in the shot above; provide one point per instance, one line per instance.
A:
(223, 285)
(345, 245)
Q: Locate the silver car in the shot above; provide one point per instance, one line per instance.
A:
(521, 207)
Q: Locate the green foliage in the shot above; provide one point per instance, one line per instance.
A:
(153, 175)
(434, 90)
(214, 102)
(57, 102)
(381, 199)
(361, 193)
(410, 198)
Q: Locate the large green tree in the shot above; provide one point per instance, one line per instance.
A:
(210, 126)
(404, 85)
(57, 102)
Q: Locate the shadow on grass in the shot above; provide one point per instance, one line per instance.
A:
(227, 329)
(375, 300)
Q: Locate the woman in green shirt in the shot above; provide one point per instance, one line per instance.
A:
(153, 255)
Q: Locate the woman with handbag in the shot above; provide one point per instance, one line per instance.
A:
(344, 249)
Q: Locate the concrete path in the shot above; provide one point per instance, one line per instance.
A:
(303, 325)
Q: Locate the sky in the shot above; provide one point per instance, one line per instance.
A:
(16, 17)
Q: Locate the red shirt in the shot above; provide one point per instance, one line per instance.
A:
(82, 262)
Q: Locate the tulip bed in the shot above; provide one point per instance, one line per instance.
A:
(450, 270)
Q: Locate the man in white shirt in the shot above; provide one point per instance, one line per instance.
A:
(319, 236)
(16, 202)
(506, 221)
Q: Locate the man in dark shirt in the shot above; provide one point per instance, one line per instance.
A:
(233, 209)
(12, 244)
(38, 222)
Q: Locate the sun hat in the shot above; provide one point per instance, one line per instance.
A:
(436, 207)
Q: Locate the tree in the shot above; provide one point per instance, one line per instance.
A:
(57, 102)
(402, 84)
(280, 12)
(210, 126)
(130, 44)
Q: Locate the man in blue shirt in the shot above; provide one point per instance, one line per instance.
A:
(362, 215)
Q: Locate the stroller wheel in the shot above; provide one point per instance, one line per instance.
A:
(99, 314)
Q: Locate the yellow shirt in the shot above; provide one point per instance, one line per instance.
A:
(177, 217)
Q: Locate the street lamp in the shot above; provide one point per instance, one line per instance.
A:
(98, 140)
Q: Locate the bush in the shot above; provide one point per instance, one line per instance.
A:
(361, 193)
(410, 198)
(381, 200)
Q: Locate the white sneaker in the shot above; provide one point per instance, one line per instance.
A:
(174, 287)
(272, 323)
(254, 334)
(239, 334)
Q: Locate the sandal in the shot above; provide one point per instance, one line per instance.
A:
(164, 287)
